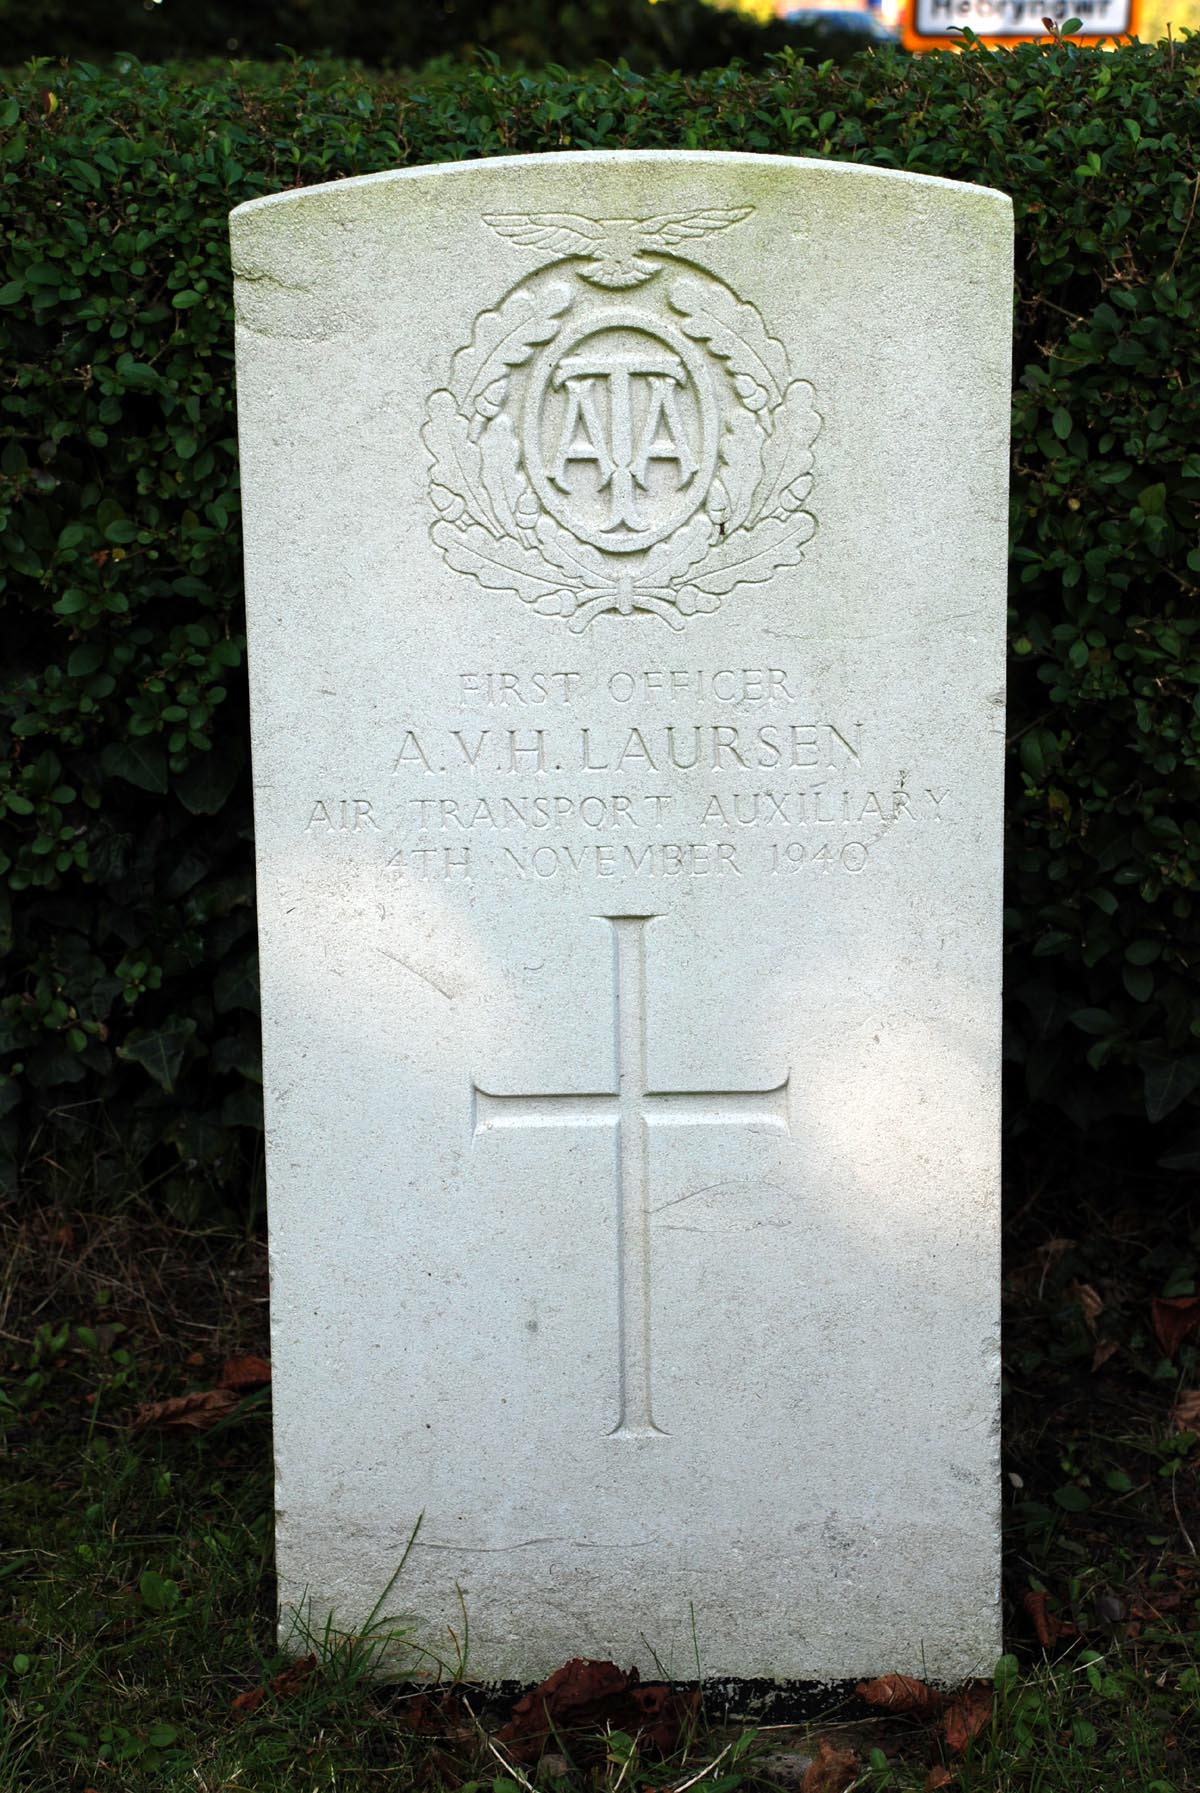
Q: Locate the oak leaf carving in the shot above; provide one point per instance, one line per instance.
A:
(457, 465)
(787, 454)
(490, 523)
(500, 466)
(750, 556)
(741, 469)
(503, 564)
(674, 558)
(736, 335)
(573, 556)
(504, 339)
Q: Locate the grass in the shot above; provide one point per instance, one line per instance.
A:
(136, 1592)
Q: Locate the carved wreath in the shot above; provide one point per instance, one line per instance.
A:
(751, 522)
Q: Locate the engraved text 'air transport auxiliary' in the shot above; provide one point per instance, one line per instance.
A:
(621, 435)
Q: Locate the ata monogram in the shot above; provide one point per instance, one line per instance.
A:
(594, 453)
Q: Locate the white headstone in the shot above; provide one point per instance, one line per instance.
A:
(625, 549)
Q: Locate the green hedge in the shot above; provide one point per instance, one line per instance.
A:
(127, 911)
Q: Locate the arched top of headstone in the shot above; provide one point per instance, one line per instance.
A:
(583, 160)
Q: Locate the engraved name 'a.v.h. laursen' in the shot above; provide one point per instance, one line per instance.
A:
(632, 1107)
(622, 434)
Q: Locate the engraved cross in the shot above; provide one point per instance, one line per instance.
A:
(631, 1107)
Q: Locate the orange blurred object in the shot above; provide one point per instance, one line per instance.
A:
(938, 24)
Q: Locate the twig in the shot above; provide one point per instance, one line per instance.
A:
(1179, 1516)
(625, 1766)
(1187, 225)
(707, 1769)
(508, 1767)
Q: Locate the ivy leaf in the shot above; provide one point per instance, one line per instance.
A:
(1167, 1083)
(50, 1065)
(242, 1108)
(231, 1054)
(1095, 1021)
(160, 1051)
(205, 787)
(236, 986)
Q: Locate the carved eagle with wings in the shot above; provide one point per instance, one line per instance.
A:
(618, 248)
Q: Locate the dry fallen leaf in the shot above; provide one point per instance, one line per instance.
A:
(1090, 1303)
(1153, 1606)
(970, 1713)
(902, 1693)
(1105, 1348)
(939, 1777)
(293, 1676)
(1048, 1628)
(1175, 1317)
(831, 1770)
(245, 1372)
(437, 1714)
(288, 1681)
(1043, 1625)
(1186, 1411)
(188, 1413)
(596, 1696)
